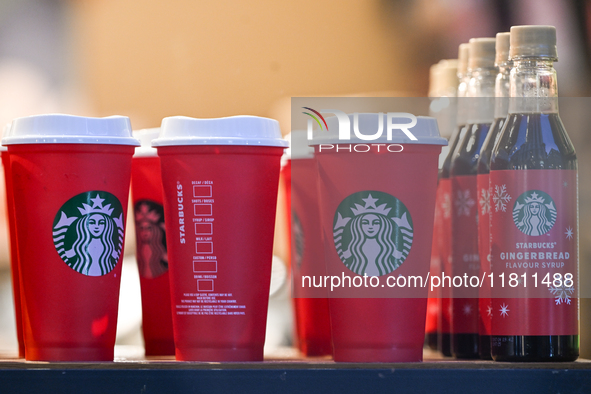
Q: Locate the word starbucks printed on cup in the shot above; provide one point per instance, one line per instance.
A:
(372, 232)
(88, 232)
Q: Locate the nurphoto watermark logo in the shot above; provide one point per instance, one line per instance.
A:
(345, 131)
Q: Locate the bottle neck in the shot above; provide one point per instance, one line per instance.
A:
(502, 90)
(480, 93)
(482, 82)
(463, 85)
(533, 87)
(462, 115)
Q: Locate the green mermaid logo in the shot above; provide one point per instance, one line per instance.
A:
(372, 238)
(88, 232)
(534, 213)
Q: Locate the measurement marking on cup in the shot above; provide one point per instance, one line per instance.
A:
(204, 298)
(203, 209)
(181, 209)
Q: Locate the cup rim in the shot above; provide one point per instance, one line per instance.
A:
(245, 130)
(70, 129)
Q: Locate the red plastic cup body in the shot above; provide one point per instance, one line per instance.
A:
(220, 206)
(16, 288)
(67, 316)
(286, 184)
(312, 320)
(147, 198)
(380, 329)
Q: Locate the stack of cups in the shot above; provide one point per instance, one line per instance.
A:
(220, 179)
(16, 288)
(151, 254)
(70, 183)
(312, 320)
(377, 201)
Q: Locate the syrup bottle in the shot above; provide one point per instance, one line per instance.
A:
(534, 218)
(465, 256)
(482, 183)
(443, 91)
(444, 201)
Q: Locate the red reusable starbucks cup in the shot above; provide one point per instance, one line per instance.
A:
(70, 182)
(312, 320)
(220, 179)
(377, 201)
(16, 288)
(151, 255)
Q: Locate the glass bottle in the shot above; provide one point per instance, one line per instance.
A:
(465, 256)
(444, 201)
(482, 183)
(533, 175)
(443, 89)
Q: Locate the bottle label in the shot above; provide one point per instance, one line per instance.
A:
(435, 269)
(443, 204)
(465, 259)
(484, 303)
(534, 252)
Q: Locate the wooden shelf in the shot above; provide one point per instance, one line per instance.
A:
(293, 376)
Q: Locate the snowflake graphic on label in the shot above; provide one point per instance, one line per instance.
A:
(446, 206)
(501, 198)
(464, 202)
(504, 310)
(489, 310)
(534, 213)
(562, 294)
(467, 309)
(88, 232)
(373, 232)
(569, 233)
(484, 201)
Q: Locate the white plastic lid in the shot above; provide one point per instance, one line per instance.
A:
(447, 76)
(463, 55)
(502, 48)
(70, 129)
(482, 53)
(298, 145)
(425, 130)
(433, 82)
(146, 136)
(533, 41)
(233, 130)
(4, 134)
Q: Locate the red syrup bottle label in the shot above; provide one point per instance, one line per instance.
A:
(534, 252)
(435, 269)
(444, 207)
(465, 259)
(484, 302)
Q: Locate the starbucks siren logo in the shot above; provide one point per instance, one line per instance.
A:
(88, 232)
(372, 232)
(534, 213)
(150, 235)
